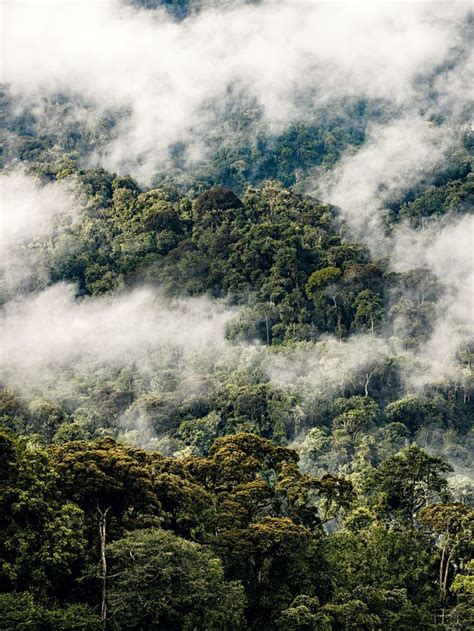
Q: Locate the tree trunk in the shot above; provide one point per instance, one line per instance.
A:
(368, 376)
(103, 560)
(441, 573)
(444, 592)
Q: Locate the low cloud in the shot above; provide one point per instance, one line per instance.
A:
(328, 366)
(164, 72)
(162, 75)
(28, 210)
(52, 329)
(448, 251)
(28, 206)
(394, 158)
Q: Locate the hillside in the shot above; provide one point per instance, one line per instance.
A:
(236, 328)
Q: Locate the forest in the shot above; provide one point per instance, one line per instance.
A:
(236, 331)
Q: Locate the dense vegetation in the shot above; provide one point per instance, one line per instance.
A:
(242, 148)
(364, 532)
(232, 540)
(306, 468)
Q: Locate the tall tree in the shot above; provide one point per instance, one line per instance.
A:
(408, 482)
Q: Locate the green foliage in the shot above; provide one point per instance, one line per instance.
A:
(449, 199)
(407, 482)
(415, 412)
(304, 614)
(229, 540)
(103, 474)
(272, 557)
(37, 550)
(389, 572)
(179, 584)
(463, 587)
(322, 278)
(19, 612)
(355, 413)
(454, 525)
(275, 250)
(234, 531)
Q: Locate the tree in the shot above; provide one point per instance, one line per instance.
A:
(252, 478)
(351, 615)
(389, 571)
(43, 538)
(414, 411)
(337, 495)
(322, 278)
(240, 458)
(214, 206)
(405, 483)
(453, 524)
(355, 413)
(46, 418)
(276, 560)
(321, 287)
(304, 614)
(368, 310)
(463, 587)
(14, 414)
(108, 481)
(19, 612)
(160, 581)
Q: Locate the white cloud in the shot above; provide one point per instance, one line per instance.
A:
(27, 207)
(51, 329)
(326, 367)
(164, 71)
(448, 251)
(393, 159)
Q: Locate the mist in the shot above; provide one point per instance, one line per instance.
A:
(447, 250)
(165, 73)
(168, 79)
(393, 159)
(51, 330)
(28, 207)
(236, 313)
